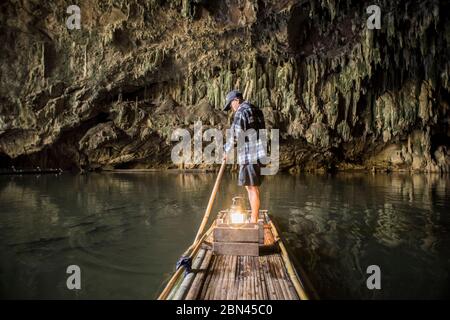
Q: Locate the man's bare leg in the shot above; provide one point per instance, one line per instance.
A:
(253, 196)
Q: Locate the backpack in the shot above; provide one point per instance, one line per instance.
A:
(257, 116)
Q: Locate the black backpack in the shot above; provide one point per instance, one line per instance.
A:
(258, 117)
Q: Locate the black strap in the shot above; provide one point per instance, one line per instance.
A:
(185, 262)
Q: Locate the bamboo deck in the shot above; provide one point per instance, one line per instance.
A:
(269, 276)
(247, 278)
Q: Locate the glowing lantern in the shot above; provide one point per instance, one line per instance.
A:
(237, 217)
(237, 213)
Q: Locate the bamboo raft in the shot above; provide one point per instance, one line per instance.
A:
(269, 276)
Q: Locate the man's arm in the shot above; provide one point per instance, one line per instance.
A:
(236, 130)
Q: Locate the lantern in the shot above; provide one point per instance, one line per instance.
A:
(237, 213)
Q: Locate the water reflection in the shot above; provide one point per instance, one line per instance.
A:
(340, 225)
(118, 228)
(126, 230)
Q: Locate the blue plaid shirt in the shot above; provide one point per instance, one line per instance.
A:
(250, 149)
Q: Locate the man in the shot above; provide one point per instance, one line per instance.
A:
(251, 151)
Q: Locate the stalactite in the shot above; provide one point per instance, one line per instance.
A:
(332, 87)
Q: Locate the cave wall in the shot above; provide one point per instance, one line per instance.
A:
(110, 94)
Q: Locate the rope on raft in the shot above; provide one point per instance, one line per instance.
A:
(186, 262)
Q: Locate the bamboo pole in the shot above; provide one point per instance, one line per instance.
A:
(208, 278)
(275, 281)
(200, 276)
(245, 278)
(226, 279)
(207, 211)
(280, 278)
(234, 292)
(212, 283)
(264, 289)
(174, 288)
(184, 287)
(252, 279)
(231, 279)
(220, 274)
(239, 282)
(211, 202)
(218, 285)
(212, 275)
(176, 276)
(257, 279)
(290, 269)
(271, 293)
(225, 285)
(254, 284)
(286, 280)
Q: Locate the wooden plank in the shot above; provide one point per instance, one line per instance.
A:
(279, 276)
(256, 279)
(236, 279)
(262, 280)
(284, 279)
(218, 285)
(245, 278)
(271, 292)
(268, 236)
(249, 278)
(236, 248)
(261, 231)
(251, 288)
(231, 280)
(228, 234)
(288, 283)
(212, 284)
(275, 280)
(208, 278)
(271, 278)
(252, 279)
(240, 283)
(225, 283)
(237, 226)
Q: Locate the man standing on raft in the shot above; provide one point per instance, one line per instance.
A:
(251, 151)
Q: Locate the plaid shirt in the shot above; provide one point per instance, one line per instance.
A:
(250, 149)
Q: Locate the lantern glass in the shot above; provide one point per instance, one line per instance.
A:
(237, 217)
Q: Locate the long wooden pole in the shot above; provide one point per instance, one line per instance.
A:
(210, 203)
(190, 252)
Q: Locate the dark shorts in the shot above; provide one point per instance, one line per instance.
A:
(250, 175)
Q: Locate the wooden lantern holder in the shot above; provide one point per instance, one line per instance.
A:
(237, 239)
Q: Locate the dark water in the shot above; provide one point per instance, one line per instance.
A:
(126, 231)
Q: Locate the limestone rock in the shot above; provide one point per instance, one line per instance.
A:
(111, 93)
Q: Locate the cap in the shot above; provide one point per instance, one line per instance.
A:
(233, 94)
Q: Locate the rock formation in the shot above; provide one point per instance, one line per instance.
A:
(109, 94)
